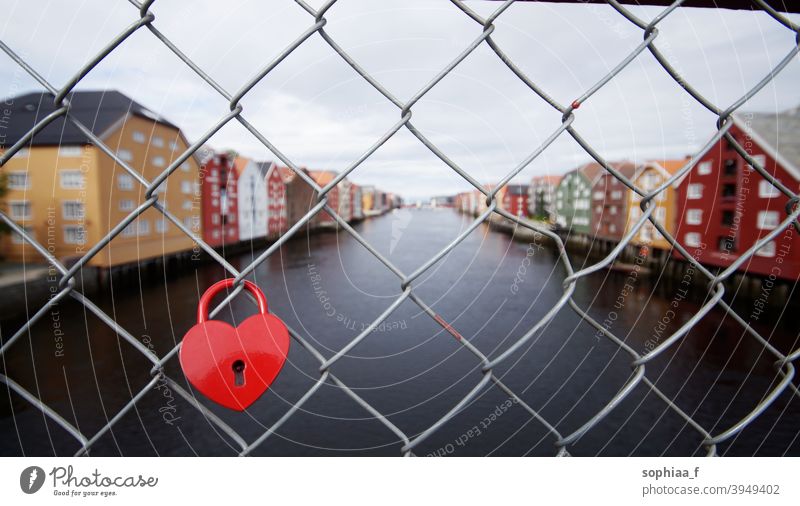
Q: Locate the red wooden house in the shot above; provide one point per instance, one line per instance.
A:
(277, 219)
(514, 199)
(609, 207)
(219, 201)
(323, 177)
(724, 206)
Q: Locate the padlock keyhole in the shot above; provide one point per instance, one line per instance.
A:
(238, 373)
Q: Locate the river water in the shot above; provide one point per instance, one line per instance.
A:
(328, 287)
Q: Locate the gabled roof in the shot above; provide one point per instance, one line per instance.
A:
(777, 134)
(516, 189)
(240, 163)
(322, 177)
(548, 179)
(591, 171)
(666, 167)
(263, 168)
(97, 110)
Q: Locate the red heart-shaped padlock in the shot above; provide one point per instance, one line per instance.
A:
(233, 366)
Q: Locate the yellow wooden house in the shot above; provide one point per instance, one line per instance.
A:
(69, 194)
(648, 177)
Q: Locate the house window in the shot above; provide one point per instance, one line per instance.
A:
(72, 210)
(767, 220)
(612, 228)
(616, 194)
(704, 168)
(159, 161)
(157, 142)
(191, 222)
(767, 250)
(613, 210)
(661, 214)
(759, 159)
(22, 153)
(124, 181)
(139, 137)
(161, 225)
(71, 179)
(74, 234)
(18, 239)
(69, 151)
(767, 190)
(129, 230)
(215, 219)
(598, 209)
(125, 155)
(694, 191)
(144, 227)
(598, 195)
(729, 167)
(215, 234)
(18, 181)
(729, 190)
(185, 166)
(173, 145)
(126, 205)
(728, 218)
(20, 209)
(726, 244)
(186, 187)
(692, 240)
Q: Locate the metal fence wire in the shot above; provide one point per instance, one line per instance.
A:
(146, 20)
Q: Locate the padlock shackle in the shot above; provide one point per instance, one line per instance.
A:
(213, 290)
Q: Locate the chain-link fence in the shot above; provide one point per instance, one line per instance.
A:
(488, 379)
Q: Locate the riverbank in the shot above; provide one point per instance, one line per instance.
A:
(658, 264)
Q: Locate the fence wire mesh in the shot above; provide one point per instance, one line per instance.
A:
(146, 20)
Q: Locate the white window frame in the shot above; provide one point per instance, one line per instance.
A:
(74, 228)
(139, 137)
(126, 205)
(68, 204)
(158, 161)
(126, 155)
(124, 182)
(18, 173)
(26, 205)
(157, 141)
(705, 168)
(616, 194)
(692, 239)
(691, 194)
(21, 153)
(767, 190)
(768, 250)
(64, 176)
(760, 159)
(694, 217)
(766, 218)
(129, 230)
(142, 227)
(69, 151)
(186, 187)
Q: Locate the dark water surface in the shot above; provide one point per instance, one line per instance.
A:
(327, 287)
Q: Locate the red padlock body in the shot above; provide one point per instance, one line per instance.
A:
(210, 349)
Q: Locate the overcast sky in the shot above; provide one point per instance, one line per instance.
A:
(321, 114)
